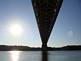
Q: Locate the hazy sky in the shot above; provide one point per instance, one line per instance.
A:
(67, 30)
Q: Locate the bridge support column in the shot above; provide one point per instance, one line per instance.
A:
(44, 46)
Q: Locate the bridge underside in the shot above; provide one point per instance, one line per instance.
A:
(46, 12)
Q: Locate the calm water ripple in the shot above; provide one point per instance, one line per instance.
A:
(40, 56)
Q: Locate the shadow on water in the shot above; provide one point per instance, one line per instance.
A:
(44, 56)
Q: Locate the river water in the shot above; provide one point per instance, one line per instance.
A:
(40, 56)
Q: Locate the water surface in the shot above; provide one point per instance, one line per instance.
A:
(40, 56)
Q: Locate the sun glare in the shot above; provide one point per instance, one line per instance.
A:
(14, 55)
(15, 30)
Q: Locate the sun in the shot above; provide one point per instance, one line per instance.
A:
(15, 29)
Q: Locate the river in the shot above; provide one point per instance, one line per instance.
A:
(40, 56)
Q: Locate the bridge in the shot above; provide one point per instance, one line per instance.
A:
(46, 12)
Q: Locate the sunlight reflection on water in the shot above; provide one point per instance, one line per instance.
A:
(14, 55)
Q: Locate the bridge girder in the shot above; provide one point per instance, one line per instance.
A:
(46, 12)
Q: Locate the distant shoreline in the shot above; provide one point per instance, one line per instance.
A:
(26, 48)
